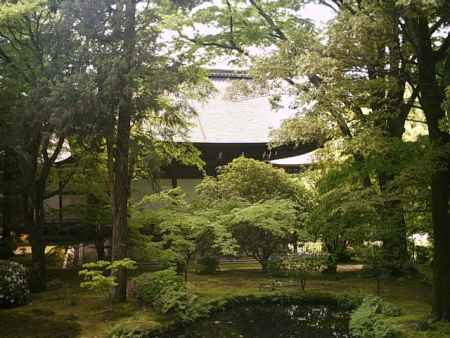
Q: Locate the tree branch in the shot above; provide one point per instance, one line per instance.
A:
(279, 33)
(50, 160)
(61, 187)
(214, 44)
(327, 4)
(416, 121)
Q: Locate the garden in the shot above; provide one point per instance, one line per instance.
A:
(229, 169)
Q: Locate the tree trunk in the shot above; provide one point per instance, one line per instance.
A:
(7, 194)
(432, 98)
(35, 222)
(395, 245)
(186, 267)
(264, 266)
(120, 197)
(121, 173)
(39, 269)
(100, 244)
(390, 112)
(441, 257)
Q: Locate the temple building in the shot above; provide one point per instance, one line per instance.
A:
(228, 126)
(224, 128)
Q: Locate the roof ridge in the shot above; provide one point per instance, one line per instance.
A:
(228, 74)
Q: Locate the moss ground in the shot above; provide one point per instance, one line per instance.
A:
(69, 312)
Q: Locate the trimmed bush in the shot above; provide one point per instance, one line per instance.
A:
(298, 266)
(208, 265)
(14, 287)
(134, 329)
(349, 301)
(175, 300)
(275, 266)
(149, 285)
(370, 319)
(167, 294)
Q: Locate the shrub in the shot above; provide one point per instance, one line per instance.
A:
(167, 294)
(149, 285)
(349, 301)
(379, 265)
(54, 257)
(369, 320)
(275, 266)
(133, 329)
(14, 287)
(297, 266)
(98, 276)
(424, 255)
(7, 248)
(300, 265)
(173, 298)
(208, 265)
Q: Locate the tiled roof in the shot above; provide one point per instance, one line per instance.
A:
(222, 119)
(228, 74)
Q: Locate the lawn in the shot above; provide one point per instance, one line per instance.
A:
(66, 311)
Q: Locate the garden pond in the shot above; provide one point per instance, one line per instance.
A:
(270, 321)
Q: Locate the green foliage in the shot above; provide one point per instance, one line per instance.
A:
(167, 294)
(14, 287)
(373, 259)
(55, 257)
(99, 276)
(349, 99)
(349, 301)
(172, 299)
(370, 319)
(11, 11)
(300, 265)
(124, 331)
(343, 210)
(227, 303)
(252, 199)
(297, 266)
(275, 266)
(252, 181)
(149, 285)
(424, 254)
(61, 86)
(207, 265)
(167, 224)
(271, 226)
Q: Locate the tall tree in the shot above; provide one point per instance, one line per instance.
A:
(413, 60)
(349, 76)
(141, 99)
(121, 186)
(424, 26)
(51, 93)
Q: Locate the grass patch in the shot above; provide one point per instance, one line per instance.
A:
(66, 312)
(70, 312)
